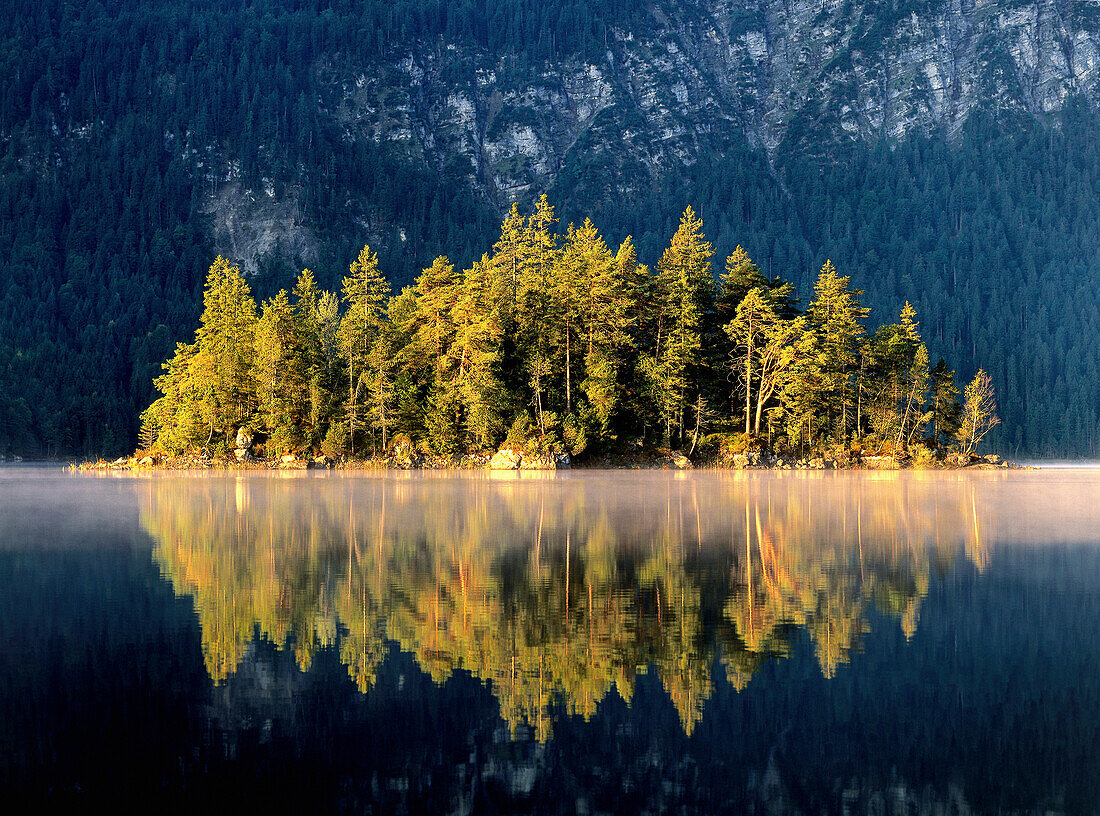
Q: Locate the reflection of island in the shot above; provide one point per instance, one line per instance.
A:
(555, 591)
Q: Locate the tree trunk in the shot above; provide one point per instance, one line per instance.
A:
(759, 411)
(351, 407)
(568, 381)
(748, 381)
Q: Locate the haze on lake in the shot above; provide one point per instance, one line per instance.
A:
(782, 642)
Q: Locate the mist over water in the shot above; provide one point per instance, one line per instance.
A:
(600, 642)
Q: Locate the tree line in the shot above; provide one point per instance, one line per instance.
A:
(554, 342)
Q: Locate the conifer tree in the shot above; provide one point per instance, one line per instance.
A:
(946, 409)
(174, 416)
(478, 337)
(835, 314)
(365, 293)
(315, 354)
(742, 275)
(428, 355)
(226, 343)
(281, 380)
(686, 287)
(895, 380)
(545, 314)
(606, 296)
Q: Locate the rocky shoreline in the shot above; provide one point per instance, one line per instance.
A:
(508, 459)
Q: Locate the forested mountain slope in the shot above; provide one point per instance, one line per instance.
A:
(940, 152)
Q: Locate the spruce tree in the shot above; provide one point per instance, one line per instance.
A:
(686, 287)
(366, 293)
(225, 347)
(836, 316)
(946, 409)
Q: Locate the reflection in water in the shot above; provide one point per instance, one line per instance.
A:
(556, 590)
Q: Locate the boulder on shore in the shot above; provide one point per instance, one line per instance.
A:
(674, 460)
(546, 461)
(505, 459)
(245, 438)
(508, 459)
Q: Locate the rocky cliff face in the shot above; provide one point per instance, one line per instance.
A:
(787, 75)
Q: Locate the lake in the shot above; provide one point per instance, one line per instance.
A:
(586, 642)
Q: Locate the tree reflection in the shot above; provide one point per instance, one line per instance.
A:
(555, 592)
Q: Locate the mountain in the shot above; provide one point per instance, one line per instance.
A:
(939, 151)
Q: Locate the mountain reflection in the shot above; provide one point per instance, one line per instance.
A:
(556, 590)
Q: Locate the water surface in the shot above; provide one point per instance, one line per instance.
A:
(578, 643)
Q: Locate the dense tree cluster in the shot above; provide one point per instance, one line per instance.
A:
(553, 341)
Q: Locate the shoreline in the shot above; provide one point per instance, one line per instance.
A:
(508, 460)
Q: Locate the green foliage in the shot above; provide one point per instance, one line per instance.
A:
(336, 440)
(551, 343)
(979, 412)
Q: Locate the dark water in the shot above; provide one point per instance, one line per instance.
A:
(589, 643)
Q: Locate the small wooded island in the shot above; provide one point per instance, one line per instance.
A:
(552, 348)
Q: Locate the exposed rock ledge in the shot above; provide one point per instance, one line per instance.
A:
(508, 459)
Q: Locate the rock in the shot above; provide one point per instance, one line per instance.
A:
(993, 459)
(290, 458)
(546, 461)
(243, 455)
(676, 460)
(538, 461)
(119, 461)
(147, 461)
(505, 459)
(508, 459)
(244, 439)
(323, 462)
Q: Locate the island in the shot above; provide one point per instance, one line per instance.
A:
(553, 350)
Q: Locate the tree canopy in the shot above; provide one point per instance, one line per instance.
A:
(553, 342)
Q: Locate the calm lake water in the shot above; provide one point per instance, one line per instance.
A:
(623, 642)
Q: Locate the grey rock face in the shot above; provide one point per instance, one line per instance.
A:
(700, 72)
